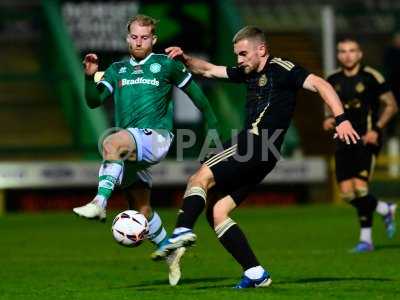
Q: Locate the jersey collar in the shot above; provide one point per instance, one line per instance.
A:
(268, 62)
(134, 63)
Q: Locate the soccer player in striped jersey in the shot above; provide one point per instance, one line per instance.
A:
(141, 88)
(271, 84)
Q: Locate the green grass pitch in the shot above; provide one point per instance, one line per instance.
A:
(59, 256)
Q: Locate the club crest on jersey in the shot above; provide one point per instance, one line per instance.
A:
(122, 70)
(354, 103)
(360, 87)
(263, 80)
(338, 87)
(137, 70)
(155, 68)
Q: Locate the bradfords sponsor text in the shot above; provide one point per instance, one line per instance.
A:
(139, 80)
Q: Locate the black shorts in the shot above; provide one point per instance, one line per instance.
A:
(243, 163)
(355, 161)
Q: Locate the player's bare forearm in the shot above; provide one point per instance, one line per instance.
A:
(317, 84)
(389, 110)
(197, 65)
(344, 129)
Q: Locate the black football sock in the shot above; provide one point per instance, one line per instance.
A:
(193, 204)
(365, 209)
(235, 242)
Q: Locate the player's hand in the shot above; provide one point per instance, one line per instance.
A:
(329, 124)
(90, 64)
(371, 137)
(174, 52)
(345, 132)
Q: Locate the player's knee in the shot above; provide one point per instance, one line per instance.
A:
(197, 180)
(192, 180)
(115, 148)
(202, 178)
(111, 148)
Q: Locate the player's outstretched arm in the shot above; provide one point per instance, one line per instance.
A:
(200, 100)
(344, 129)
(197, 65)
(94, 95)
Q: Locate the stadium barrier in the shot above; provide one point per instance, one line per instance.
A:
(38, 186)
(19, 175)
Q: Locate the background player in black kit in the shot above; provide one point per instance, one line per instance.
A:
(362, 90)
(272, 84)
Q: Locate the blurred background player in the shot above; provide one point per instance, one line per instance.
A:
(141, 88)
(272, 84)
(369, 105)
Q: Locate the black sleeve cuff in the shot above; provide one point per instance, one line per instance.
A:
(340, 118)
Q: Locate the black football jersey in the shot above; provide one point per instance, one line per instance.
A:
(271, 93)
(360, 96)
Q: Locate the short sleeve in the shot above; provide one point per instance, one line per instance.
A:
(236, 74)
(109, 79)
(179, 74)
(296, 76)
(381, 84)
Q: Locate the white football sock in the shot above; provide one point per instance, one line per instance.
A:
(366, 235)
(382, 208)
(100, 201)
(157, 231)
(254, 272)
(109, 176)
(178, 230)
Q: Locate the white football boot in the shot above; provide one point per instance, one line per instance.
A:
(91, 211)
(173, 261)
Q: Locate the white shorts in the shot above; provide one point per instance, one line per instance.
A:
(151, 147)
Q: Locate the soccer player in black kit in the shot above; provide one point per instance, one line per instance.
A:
(362, 91)
(272, 84)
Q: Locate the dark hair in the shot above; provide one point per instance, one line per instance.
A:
(250, 32)
(349, 39)
(143, 20)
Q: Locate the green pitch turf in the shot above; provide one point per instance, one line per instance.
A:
(59, 256)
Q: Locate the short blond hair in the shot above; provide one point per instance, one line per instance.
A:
(250, 32)
(143, 20)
